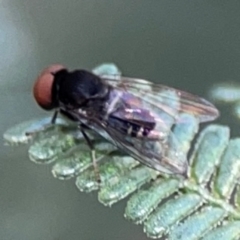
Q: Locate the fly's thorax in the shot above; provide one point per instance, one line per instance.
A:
(78, 88)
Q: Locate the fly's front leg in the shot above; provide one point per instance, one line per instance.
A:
(54, 117)
(43, 127)
(93, 154)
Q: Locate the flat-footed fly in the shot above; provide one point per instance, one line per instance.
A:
(133, 114)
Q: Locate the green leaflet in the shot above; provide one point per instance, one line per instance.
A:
(198, 224)
(170, 213)
(227, 93)
(230, 231)
(111, 171)
(141, 204)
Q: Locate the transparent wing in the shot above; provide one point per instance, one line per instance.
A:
(162, 98)
(163, 156)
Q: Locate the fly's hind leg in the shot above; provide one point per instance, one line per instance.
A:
(93, 154)
(89, 142)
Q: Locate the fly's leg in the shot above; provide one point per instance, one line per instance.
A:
(54, 117)
(44, 127)
(93, 154)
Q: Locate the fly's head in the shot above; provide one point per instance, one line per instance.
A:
(43, 87)
(57, 87)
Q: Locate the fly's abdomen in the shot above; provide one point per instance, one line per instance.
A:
(133, 129)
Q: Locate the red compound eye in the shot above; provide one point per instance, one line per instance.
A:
(42, 89)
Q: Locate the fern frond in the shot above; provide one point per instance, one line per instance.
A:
(206, 204)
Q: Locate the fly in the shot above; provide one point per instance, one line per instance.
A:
(133, 114)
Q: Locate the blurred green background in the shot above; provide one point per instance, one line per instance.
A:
(185, 44)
